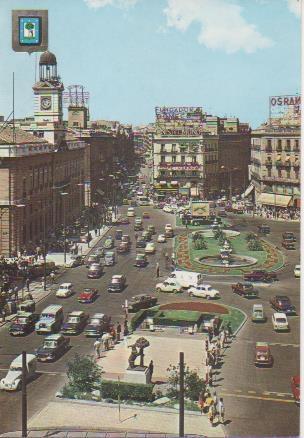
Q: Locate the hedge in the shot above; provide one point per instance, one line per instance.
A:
(138, 318)
(127, 391)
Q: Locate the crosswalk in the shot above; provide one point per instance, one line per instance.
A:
(272, 396)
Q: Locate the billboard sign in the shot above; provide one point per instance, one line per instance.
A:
(200, 209)
(186, 113)
(285, 106)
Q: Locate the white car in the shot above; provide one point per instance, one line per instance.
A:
(13, 380)
(130, 212)
(65, 290)
(150, 248)
(297, 271)
(167, 209)
(280, 322)
(168, 227)
(203, 291)
(169, 286)
(161, 238)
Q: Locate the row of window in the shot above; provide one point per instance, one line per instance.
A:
(182, 160)
(283, 173)
(279, 143)
(176, 174)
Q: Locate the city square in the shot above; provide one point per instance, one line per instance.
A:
(149, 270)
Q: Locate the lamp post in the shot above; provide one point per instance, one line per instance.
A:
(230, 171)
(63, 194)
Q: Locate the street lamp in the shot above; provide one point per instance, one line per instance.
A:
(63, 194)
(230, 171)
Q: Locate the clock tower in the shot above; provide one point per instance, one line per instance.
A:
(48, 111)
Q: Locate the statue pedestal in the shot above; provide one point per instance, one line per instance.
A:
(137, 375)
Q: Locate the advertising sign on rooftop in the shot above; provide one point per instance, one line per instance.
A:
(186, 113)
(285, 107)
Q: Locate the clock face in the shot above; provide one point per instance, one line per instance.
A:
(46, 103)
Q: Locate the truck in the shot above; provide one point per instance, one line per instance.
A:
(187, 279)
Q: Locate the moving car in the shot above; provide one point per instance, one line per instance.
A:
(75, 323)
(141, 243)
(151, 229)
(109, 258)
(131, 212)
(245, 290)
(123, 248)
(117, 284)
(260, 275)
(161, 238)
(187, 278)
(23, 324)
(141, 261)
(53, 347)
(258, 313)
(118, 234)
(124, 220)
(74, 261)
(109, 243)
(87, 296)
(95, 271)
(65, 290)
(169, 286)
(169, 232)
(100, 251)
(288, 244)
(146, 236)
(289, 235)
(50, 320)
(264, 229)
(297, 271)
(263, 356)
(141, 302)
(93, 259)
(280, 322)
(295, 388)
(98, 324)
(126, 238)
(138, 227)
(150, 248)
(13, 380)
(146, 215)
(203, 291)
(281, 303)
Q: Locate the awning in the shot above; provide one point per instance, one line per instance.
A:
(248, 191)
(194, 191)
(273, 199)
(162, 183)
(174, 183)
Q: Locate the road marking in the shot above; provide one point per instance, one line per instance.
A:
(252, 392)
(51, 373)
(257, 397)
(248, 341)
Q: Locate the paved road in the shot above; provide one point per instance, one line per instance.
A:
(258, 401)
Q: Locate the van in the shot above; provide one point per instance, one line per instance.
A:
(258, 313)
(187, 279)
(50, 320)
(13, 380)
(131, 212)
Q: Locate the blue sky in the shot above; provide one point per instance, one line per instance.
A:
(227, 56)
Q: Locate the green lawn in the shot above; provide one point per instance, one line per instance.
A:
(178, 315)
(235, 317)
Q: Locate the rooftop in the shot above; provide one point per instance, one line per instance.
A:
(21, 137)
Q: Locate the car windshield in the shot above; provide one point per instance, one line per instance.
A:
(95, 321)
(49, 344)
(47, 315)
(64, 287)
(73, 319)
(15, 368)
(283, 320)
(258, 312)
(21, 320)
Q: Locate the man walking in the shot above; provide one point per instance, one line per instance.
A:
(97, 345)
(118, 331)
(221, 410)
(27, 284)
(157, 270)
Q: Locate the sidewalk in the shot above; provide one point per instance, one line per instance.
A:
(62, 414)
(36, 287)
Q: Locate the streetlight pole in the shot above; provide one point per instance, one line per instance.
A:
(63, 194)
(24, 396)
(44, 250)
(181, 394)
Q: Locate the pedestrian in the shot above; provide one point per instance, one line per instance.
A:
(201, 401)
(157, 269)
(27, 284)
(126, 328)
(210, 378)
(97, 345)
(210, 334)
(151, 369)
(211, 413)
(221, 411)
(52, 277)
(16, 293)
(206, 345)
(118, 331)
(215, 398)
(229, 329)
(136, 236)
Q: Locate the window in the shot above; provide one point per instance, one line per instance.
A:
(162, 147)
(162, 159)
(269, 171)
(182, 158)
(288, 144)
(296, 144)
(269, 144)
(174, 148)
(279, 148)
(194, 159)
(279, 172)
(173, 158)
(287, 173)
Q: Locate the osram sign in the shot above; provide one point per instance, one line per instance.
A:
(285, 100)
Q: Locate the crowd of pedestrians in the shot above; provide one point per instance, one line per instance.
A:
(110, 338)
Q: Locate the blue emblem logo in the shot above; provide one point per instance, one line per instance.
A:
(29, 31)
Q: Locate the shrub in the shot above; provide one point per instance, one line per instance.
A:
(250, 236)
(255, 245)
(138, 318)
(192, 382)
(126, 391)
(199, 244)
(83, 373)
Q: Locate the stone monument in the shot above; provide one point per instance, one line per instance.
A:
(138, 373)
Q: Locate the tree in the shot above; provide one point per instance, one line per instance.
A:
(29, 26)
(83, 373)
(194, 384)
(251, 236)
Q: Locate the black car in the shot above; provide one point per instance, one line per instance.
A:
(141, 302)
(282, 303)
(141, 243)
(53, 347)
(23, 324)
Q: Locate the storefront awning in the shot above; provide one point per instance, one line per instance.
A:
(248, 191)
(194, 191)
(162, 183)
(174, 183)
(273, 199)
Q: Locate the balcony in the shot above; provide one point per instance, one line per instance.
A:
(180, 166)
(268, 149)
(281, 179)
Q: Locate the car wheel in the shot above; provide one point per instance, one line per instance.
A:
(158, 289)
(174, 291)
(190, 294)
(208, 297)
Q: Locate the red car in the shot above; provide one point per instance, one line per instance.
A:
(260, 275)
(295, 388)
(87, 296)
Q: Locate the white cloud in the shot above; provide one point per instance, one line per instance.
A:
(221, 24)
(123, 4)
(295, 7)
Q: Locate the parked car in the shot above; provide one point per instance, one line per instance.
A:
(281, 303)
(75, 323)
(23, 323)
(289, 235)
(87, 296)
(123, 248)
(260, 275)
(203, 291)
(74, 261)
(169, 286)
(53, 347)
(187, 278)
(50, 319)
(98, 324)
(258, 313)
(109, 243)
(141, 302)
(109, 258)
(288, 244)
(95, 271)
(13, 380)
(141, 243)
(141, 261)
(169, 232)
(295, 388)
(150, 248)
(297, 271)
(65, 290)
(263, 356)
(264, 229)
(280, 322)
(245, 290)
(131, 212)
(117, 284)
(161, 239)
